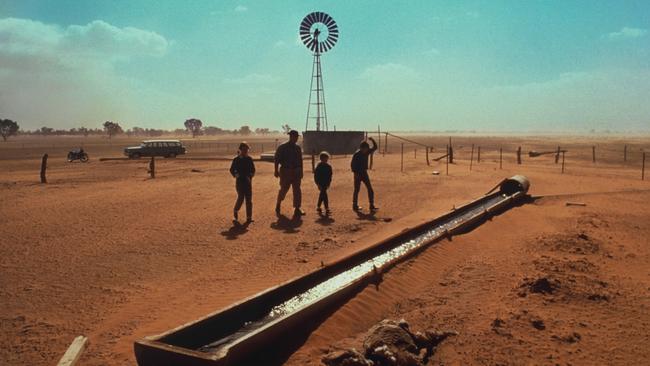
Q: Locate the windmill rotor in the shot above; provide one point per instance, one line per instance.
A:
(312, 30)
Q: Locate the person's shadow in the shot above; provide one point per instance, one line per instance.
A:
(371, 216)
(288, 225)
(235, 230)
(325, 220)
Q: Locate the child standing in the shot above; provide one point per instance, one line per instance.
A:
(359, 166)
(243, 170)
(323, 179)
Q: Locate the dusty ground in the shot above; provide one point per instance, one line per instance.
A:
(104, 251)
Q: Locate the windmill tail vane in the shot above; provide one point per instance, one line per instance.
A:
(312, 35)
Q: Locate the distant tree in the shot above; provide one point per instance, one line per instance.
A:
(194, 126)
(46, 131)
(84, 131)
(245, 130)
(8, 128)
(212, 130)
(112, 128)
(262, 131)
(286, 128)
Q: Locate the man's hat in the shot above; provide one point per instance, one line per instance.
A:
(294, 132)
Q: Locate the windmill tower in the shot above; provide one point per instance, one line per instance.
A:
(319, 32)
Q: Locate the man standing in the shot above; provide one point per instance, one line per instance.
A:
(288, 157)
(359, 167)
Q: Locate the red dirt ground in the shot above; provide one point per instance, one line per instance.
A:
(102, 250)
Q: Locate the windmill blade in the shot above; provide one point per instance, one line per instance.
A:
(312, 18)
(319, 16)
(334, 36)
(330, 42)
(312, 45)
(329, 21)
(305, 28)
(333, 28)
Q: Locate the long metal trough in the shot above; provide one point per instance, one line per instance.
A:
(265, 326)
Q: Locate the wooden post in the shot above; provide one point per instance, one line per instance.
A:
(643, 167)
(471, 158)
(500, 158)
(415, 153)
(73, 353)
(557, 155)
(447, 159)
(152, 167)
(519, 155)
(44, 168)
(625, 153)
(593, 154)
(478, 156)
(378, 138)
(562, 162)
(401, 169)
(427, 154)
(386, 143)
(450, 152)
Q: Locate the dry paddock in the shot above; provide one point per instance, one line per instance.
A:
(105, 251)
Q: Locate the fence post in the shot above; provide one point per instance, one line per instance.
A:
(471, 158)
(450, 151)
(378, 138)
(386, 143)
(447, 159)
(562, 162)
(557, 155)
(478, 156)
(593, 154)
(152, 167)
(415, 153)
(401, 169)
(519, 155)
(427, 155)
(500, 158)
(44, 168)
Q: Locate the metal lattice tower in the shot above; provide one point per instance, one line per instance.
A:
(311, 29)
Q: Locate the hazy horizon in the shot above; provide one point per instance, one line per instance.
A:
(504, 66)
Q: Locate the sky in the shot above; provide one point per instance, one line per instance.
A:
(501, 66)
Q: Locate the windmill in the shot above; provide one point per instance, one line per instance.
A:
(319, 32)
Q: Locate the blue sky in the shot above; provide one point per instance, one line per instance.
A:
(431, 65)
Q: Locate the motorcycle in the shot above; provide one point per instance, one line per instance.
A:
(78, 154)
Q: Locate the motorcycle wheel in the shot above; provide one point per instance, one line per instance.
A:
(84, 158)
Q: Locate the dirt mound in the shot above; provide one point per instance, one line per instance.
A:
(541, 285)
(574, 243)
(390, 343)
